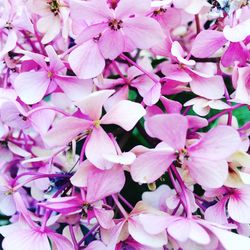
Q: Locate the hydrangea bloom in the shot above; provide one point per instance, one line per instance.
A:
(124, 125)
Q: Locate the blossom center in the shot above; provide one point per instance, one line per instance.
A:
(160, 11)
(50, 74)
(182, 155)
(97, 123)
(24, 118)
(115, 24)
(9, 192)
(54, 6)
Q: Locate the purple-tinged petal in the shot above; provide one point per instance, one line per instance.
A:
(102, 183)
(65, 130)
(150, 166)
(76, 89)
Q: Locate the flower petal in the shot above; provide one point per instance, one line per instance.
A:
(138, 28)
(31, 86)
(125, 114)
(150, 166)
(86, 60)
(211, 39)
(65, 130)
(98, 145)
(170, 128)
(111, 44)
(92, 105)
(208, 173)
(217, 144)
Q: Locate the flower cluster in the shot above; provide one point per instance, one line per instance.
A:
(124, 124)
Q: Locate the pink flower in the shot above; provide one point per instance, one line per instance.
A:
(242, 85)
(111, 32)
(205, 160)
(236, 50)
(204, 85)
(202, 106)
(32, 86)
(236, 200)
(109, 182)
(54, 18)
(90, 125)
(13, 19)
(27, 235)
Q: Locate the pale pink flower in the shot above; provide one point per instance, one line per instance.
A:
(26, 234)
(205, 160)
(241, 83)
(204, 85)
(32, 86)
(233, 200)
(54, 18)
(202, 106)
(111, 32)
(90, 125)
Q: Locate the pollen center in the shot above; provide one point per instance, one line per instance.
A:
(97, 123)
(115, 24)
(50, 74)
